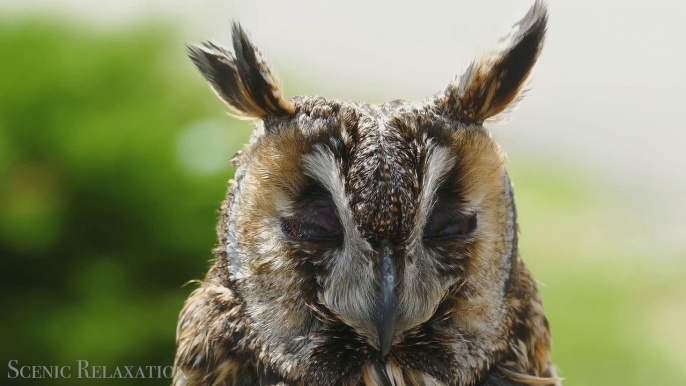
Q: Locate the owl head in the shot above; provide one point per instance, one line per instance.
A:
(359, 236)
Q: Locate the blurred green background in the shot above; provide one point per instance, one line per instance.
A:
(113, 165)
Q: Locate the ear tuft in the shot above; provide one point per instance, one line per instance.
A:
(243, 81)
(493, 85)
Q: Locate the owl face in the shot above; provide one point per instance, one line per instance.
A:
(370, 215)
(373, 233)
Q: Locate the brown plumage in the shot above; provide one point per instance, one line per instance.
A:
(368, 245)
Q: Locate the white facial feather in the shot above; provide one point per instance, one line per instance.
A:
(350, 285)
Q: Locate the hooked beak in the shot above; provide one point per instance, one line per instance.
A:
(387, 303)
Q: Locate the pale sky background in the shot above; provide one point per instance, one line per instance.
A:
(605, 99)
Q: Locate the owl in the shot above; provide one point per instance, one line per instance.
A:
(366, 244)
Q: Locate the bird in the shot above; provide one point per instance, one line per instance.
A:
(368, 244)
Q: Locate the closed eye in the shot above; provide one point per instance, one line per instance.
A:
(444, 226)
(304, 230)
(449, 220)
(313, 218)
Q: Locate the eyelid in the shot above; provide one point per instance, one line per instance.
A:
(470, 222)
(288, 228)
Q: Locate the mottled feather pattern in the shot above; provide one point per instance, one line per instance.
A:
(283, 308)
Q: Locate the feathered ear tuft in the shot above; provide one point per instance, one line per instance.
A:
(243, 81)
(493, 85)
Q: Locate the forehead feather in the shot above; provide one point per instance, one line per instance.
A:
(379, 152)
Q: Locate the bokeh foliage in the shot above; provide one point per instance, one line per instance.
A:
(109, 187)
(103, 221)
